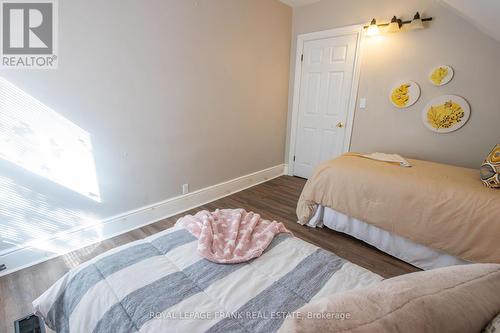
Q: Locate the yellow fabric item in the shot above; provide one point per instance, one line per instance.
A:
(441, 206)
(490, 170)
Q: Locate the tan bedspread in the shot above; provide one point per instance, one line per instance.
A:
(443, 207)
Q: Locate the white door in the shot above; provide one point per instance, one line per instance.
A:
(325, 88)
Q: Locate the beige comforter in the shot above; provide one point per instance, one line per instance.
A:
(443, 207)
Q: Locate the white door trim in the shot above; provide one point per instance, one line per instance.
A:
(352, 29)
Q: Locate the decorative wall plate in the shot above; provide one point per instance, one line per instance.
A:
(446, 113)
(441, 75)
(404, 94)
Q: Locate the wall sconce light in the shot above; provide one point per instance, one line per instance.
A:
(373, 28)
(396, 24)
(416, 23)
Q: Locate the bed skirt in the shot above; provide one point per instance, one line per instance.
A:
(413, 253)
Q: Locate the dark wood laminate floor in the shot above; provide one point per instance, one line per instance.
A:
(275, 199)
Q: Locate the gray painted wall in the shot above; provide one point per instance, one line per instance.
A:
(449, 39)
(170, 91)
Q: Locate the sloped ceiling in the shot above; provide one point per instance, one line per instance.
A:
(298, 3)
(484, 14)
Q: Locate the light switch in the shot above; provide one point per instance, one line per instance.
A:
(362, 103)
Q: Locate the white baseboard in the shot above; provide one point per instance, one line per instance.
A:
(62, 243)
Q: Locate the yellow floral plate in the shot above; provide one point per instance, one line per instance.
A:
(441, 75)
(446, 113)
(404, 94)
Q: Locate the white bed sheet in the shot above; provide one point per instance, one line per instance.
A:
(416, 254)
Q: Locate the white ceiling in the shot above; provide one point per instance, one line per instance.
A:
(484, 14)
(298, 3)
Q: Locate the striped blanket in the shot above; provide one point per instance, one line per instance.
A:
(161, 284)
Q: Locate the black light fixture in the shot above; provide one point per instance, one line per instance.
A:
(396, 24)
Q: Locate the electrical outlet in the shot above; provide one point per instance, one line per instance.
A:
(185, 188)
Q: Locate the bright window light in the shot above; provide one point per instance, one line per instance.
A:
(32, 219)
(40, 140)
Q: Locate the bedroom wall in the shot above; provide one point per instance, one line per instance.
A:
(169, 91)
(449, 39)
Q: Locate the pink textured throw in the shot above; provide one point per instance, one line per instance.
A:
(230, 236)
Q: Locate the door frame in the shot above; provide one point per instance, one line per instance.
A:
(351, 108)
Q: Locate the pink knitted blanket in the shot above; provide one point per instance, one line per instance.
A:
(231, 236)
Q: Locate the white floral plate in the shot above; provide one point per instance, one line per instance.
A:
(444, 78)
(446, 113)
(413, 93)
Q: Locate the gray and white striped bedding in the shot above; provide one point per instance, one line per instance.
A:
(161, 284)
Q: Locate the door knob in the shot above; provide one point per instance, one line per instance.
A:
(340, 125)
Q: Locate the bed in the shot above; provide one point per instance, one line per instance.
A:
(161, 284)
(430, 215)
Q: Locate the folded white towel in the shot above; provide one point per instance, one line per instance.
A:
(392, 158)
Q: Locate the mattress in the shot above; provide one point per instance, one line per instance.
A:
(418, 255)
(161, 284)
(443, 207)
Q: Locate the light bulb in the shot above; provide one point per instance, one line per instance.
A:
(373, 28)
